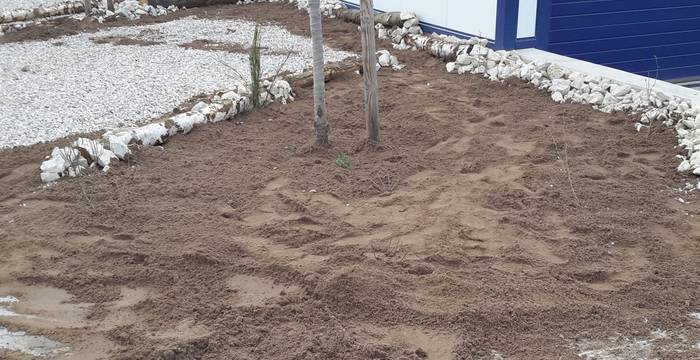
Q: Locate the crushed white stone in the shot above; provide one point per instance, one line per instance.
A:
(50, 91)
(26, 4)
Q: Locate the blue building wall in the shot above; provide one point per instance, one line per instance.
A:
(640, 36)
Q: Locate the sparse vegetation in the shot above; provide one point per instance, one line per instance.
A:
(343, 161)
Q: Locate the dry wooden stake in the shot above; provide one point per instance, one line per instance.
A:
(87, 7)
(320, 116)
(369, 61)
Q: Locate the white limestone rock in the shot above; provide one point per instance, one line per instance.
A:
(558, 97)
(186, 121)
(49, 177)
(384, 58)
(95, 150)
(650, 116)
(151, 134)
(492, 73)
(684, 166)
(609, 99)
(555, 71)
(61, 162)
(451, 67)
(596, 98)
(282, 91)
(56, 164)
(560, 85)
(620, 90)
(118, 141)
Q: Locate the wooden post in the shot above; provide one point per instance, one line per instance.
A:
(320, 116)
(87, 7)
(369, 63)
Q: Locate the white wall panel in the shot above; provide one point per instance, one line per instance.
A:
(527, 18)
(475, 17)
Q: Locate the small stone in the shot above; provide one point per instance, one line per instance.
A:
(47, 177)
(185, 122)
(555, 72)
(558, 97)
(54, 165)
(620, 90)
(451, 67)
(151, 134)
(684, 166)
(609, 99)
(105, 158)
(384, 59)
(560, 85)
(596, 98)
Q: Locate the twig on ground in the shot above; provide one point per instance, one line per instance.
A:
(565, 160)
(384, 183)
(85, 195)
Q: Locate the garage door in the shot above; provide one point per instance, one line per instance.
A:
(640, 36)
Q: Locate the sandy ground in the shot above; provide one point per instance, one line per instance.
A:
(462, 239)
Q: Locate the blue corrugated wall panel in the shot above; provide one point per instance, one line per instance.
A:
(641, 36)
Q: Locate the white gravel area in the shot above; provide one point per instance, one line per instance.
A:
(48, 91)
(26, 4)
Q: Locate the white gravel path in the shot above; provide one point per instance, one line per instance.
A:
(49, 91)
(26, 4)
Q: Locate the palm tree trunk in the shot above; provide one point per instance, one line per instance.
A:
(320, 117)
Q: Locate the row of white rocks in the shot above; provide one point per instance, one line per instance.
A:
(328, 7)
(17, 15)
(131, 9)
(19, 19)
(115, 145)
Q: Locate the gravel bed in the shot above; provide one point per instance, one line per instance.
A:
(50, 89)
(26, 4)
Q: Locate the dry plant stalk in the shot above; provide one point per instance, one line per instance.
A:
(383, 182)
(564, 158)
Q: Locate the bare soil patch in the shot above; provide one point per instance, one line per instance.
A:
(204, 44)
(124, 40)
(460, 239)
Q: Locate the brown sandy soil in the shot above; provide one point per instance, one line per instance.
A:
(462, 239)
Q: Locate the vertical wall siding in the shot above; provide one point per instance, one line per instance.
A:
(638, 36)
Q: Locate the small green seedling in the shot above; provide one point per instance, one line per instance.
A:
(343, 161)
